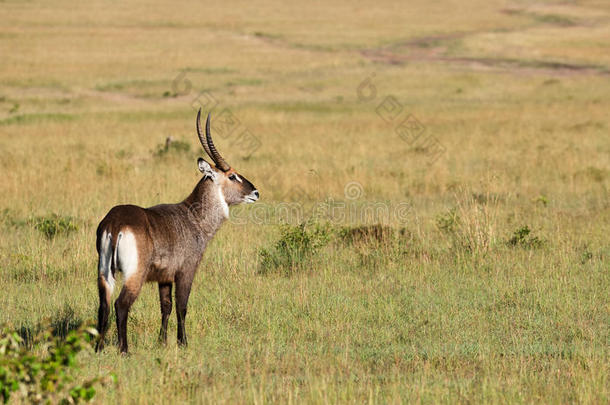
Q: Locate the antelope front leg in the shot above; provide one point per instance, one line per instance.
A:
(165, 299)
(183, 290)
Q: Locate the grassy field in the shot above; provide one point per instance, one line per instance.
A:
(476, 132)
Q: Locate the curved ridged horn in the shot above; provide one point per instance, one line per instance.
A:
(202, 137)
(220, 162)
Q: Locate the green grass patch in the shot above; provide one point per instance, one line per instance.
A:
(209, 70)
(317, 108)
(130, 85)
(245, 82)
(555, 19)
(27, 119)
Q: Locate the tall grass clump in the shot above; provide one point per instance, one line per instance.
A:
(366, 234)
(470, 226)
(373, 245)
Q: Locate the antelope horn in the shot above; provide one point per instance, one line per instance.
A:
(220, 162)
(202, 137)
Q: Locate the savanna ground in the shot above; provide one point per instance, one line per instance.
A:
(453, 302)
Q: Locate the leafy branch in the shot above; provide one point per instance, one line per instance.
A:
(47, 377)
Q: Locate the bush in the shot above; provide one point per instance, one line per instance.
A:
(296, 246)
(521, 237)
(47, 377)
(53, 224)
(448, 221)
(172, 146)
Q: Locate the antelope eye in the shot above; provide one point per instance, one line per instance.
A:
(232, 177)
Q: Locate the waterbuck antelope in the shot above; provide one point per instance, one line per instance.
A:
(165, 243)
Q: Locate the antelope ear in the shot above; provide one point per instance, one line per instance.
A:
(205, 168)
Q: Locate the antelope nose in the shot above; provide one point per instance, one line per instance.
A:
(256, 193)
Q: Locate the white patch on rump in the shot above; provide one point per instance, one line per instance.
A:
(105, 260)
(223, 202)
(127, 254)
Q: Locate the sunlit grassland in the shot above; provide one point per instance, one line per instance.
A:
(448, 311)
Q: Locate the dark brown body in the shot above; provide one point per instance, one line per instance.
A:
(170, 241)
(165, 243)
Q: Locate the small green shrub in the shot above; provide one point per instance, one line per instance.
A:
(47, 375)
(172, 146)
(521, 238)
(53, 224)
(448, 221)
(295, 247)
(542, 200)
(585, 254)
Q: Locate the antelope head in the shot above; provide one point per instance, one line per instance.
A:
(234, 188)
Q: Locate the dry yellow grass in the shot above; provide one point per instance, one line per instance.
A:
(515, 92)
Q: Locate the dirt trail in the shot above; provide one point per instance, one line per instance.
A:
(436, 49)
(413, 51)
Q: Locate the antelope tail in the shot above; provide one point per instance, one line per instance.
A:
(106, 265)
